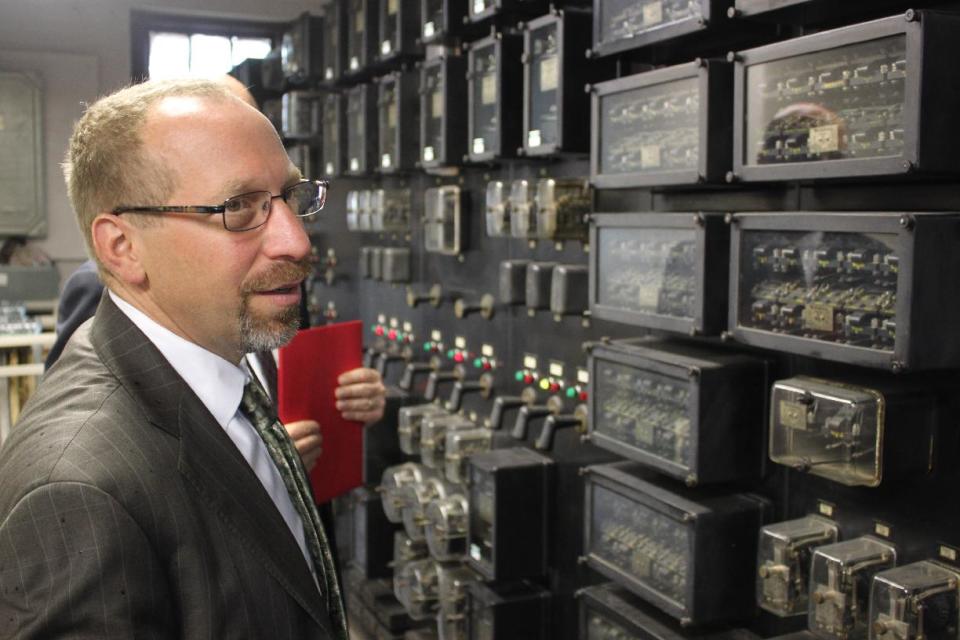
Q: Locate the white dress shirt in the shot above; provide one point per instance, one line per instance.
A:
(219, 385)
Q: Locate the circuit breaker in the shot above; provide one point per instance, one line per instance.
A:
(852, 434)
(433, 437)
(693, 413)
(665, 127)
(459, 446)
(848, 102)
(915, 601)
(660, 270)
(301, 50)
(334, 134)
(416, 497)
(620, 25)
(399, 122)
(399, 30)
(361, 129)
(554, 104)
(409, 421)
(392, 484)
(362, 35)
(691, 554)
(441, 20)
(846, 286)
(840, 577)
(783, 562)
(510, 494)
(446, 528)
(493, 90)
(443, 90)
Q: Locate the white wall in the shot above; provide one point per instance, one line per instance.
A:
(81, 48)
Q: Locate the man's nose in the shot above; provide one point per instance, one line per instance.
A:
(286, 235)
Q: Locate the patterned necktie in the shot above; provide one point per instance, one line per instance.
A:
(256, 406)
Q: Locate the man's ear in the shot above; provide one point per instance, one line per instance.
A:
(115, 242)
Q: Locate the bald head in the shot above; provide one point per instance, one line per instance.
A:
(239, 89)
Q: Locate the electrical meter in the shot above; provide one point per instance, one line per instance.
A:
(568, 290)
(391, 210)
(619, 25)
(301, 50)
(443, 89)
(391, 488)
(493, 83)
(783, 562)
(441, 20)
(433, 437)
(513, 282)
(416, 587)
(446, 529)
(510, 494)
(399, 30)
(395, 264)
(847, 102)
(915, 602)
(664, 542)
(362, 33)
(660, 270)
(372, 534)
(691, 412)
(846, 286)
(511, 610)
(443, 231)
(523, 218)
(361, 129)
(334, 135)
(555, 105)
(840, 576)
(299, 115)
(850, 434)
(498, 209)
(562, 206)
(416, 497)
(665, 127)
(460, 445)
(399, 121)
(334, 45)
(409, 421)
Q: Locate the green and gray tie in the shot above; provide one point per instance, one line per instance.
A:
(258, 409)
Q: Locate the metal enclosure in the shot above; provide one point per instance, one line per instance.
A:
(671, 546)
(362, 36)
(362, 124)
(554, 74)
(301, 50)
(621, 25)
(334, 42)
(480, 10)
(693, 413)
(666, 127)
(443, 89)
(660, 270)
(510, 610)
(23, 207)
(334, 134)
(800, 115)
(399, 121)
(399, 30)
(372, 535)
(510, 500)
(493, 90)
(850, 287)
(441, 20)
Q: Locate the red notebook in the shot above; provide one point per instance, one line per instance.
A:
(307, 374)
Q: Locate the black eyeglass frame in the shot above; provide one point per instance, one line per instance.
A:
(322, 187)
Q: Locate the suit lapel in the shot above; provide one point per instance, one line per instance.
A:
(209, 461)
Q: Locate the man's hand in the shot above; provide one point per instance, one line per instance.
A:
(308, 440)
(361, 395)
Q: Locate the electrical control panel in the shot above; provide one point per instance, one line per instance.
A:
(840, 577)
(660, 270)
(692, 413)
(443, 229)
(846, 286)
(334, 42)
(847, 102)
(918, 600)
(855, 435)
(783, 562)
(399, 30)
(334, 134)
(620, 25)
(362, 34)
(443, 118)
(510, 494)
(493, 84)
(361, 129)
(671, 546)
(398, 102)
(507, 610)
(666, 127)
(301, 50)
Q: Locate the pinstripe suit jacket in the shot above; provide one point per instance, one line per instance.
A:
(127, 512)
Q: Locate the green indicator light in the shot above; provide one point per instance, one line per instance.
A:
(427, 346)
(399, 335)
(478, 363)
(571, 392)
(373, 328)
(450, 353)
(518, 376)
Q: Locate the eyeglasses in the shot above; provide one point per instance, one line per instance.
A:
(250, 210)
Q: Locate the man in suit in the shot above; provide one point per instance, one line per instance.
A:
(147, 490)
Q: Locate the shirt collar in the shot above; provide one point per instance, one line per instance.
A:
(217, 382)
